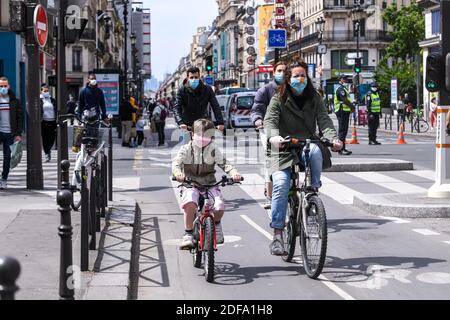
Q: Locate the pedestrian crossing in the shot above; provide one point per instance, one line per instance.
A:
(17, 178)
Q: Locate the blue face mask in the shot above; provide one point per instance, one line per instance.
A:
(194, 83)
(279, 77)
(297, 86)
(4, 91)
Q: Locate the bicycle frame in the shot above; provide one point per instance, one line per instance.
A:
(205, 210)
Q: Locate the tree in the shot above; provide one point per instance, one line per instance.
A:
(408, 29)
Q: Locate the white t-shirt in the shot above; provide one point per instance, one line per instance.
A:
(5, 125)
(49, 110)
(433, 106)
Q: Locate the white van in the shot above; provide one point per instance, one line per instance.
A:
(239, 108)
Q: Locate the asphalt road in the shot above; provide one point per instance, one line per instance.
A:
(368, 257)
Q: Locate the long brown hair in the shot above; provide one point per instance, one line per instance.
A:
(296, 62)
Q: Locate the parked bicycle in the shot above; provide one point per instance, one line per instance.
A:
(204, 231)
(417, 121)
(306, 216)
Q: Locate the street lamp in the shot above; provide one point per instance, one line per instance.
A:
(100, 15)
(125, 18)
(133, 54)
(320, 23)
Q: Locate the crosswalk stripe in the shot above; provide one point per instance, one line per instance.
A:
(427, 174)
(388, 182)
(337, 191)
(426, 232)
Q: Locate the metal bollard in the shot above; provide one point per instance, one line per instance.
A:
(9, 273)
(64, 199)
(110, 165)
(84, 238)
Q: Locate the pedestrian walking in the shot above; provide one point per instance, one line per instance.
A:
(258, 112)
(48, 124)
(401, 109)
(343, 107)
(433, 112)
(11, 119)
(92, 99)
(125, 113)
(71, 106)
(140, 124)
(159, 116)
(373, 103)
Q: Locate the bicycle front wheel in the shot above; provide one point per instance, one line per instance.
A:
(289, 232)
(208, 249)
(313, 242)
(422, 126)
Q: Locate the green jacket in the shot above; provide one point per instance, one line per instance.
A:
(286, 119)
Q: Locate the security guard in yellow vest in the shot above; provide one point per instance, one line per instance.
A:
(373, 103)
(343, 107)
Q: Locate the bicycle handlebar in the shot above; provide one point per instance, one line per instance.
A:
(298, 142)
(224, 181)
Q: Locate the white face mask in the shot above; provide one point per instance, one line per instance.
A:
(93, 82)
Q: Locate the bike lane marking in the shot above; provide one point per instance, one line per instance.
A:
(426, 232)
(323, 279)
(388, 182)
(395, 220)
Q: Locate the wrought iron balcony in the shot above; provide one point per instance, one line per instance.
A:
(348, 35)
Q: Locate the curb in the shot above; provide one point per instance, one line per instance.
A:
(381, 205)
(415, 134)
(133, 279)
(380, 166)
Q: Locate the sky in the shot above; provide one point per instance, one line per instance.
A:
(174, 22)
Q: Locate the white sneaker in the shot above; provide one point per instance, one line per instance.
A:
(187, 242)
(48, 157)
(219, 234)
(3, 184)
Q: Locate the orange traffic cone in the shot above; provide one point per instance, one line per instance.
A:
(354, 137)
(401, 136)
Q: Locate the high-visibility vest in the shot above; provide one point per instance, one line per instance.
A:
(338, 105)
(375, 105)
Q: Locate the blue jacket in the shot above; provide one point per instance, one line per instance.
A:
(262, 100)
(92, 97)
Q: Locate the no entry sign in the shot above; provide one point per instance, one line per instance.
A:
(40, 25)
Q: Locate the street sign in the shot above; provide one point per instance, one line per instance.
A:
(353, 55)
(311, 70)
(250, 30)
(251, 51)
(250, 41)
(251, 60)
(322, 49)
(209, 80)
(277, 38)
(40, 23)
(394, 91)
(109, 83)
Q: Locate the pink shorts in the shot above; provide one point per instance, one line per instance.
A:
(193, 194)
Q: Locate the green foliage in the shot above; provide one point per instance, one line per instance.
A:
(405, 74)
(408, 29)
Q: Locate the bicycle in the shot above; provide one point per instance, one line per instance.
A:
(306, 216)
(418, 122)
(204, 231)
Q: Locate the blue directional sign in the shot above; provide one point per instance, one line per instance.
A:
(276, 38)
(209, 80)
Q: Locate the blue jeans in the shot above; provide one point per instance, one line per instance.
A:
(281, 184)
(7, 139)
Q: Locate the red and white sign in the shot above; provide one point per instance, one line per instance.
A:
(40, 25)
(262, 69)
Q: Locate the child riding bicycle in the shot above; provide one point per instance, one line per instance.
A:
(197, 160)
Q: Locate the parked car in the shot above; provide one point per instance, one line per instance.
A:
(231, 90)
(223, 102)
(239, 107)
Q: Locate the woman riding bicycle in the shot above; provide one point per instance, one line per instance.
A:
(196, 160)
(295, 110)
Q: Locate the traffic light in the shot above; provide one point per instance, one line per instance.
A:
(208, 63)
(434, 77)
(357, 67)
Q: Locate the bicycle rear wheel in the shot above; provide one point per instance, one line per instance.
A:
(289, 232)
(208, 249)
(421, 126)
(314, 245)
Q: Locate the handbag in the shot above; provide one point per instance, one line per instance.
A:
(16, 154)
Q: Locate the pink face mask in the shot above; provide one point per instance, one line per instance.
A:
(200, 141)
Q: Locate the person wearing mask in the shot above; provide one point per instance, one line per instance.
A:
(296, 110)
(262, 100)
(11, 119)
(433, 113)
(48, 123)
(343, 107)
(126, 116)
(192, 101)
(373, 103)
(71, 106)
(93, 99)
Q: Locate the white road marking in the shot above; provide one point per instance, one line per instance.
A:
(395, 220)
(447, 242)
(256, 226)
(127, 183)
(427, 174)
(434, 277)
(323, 279)
(388, 182)
(337, 191)
(426, 232)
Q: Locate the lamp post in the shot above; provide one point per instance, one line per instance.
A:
(100, 15)
(133, 55)
(125, 64)
(320, 23)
